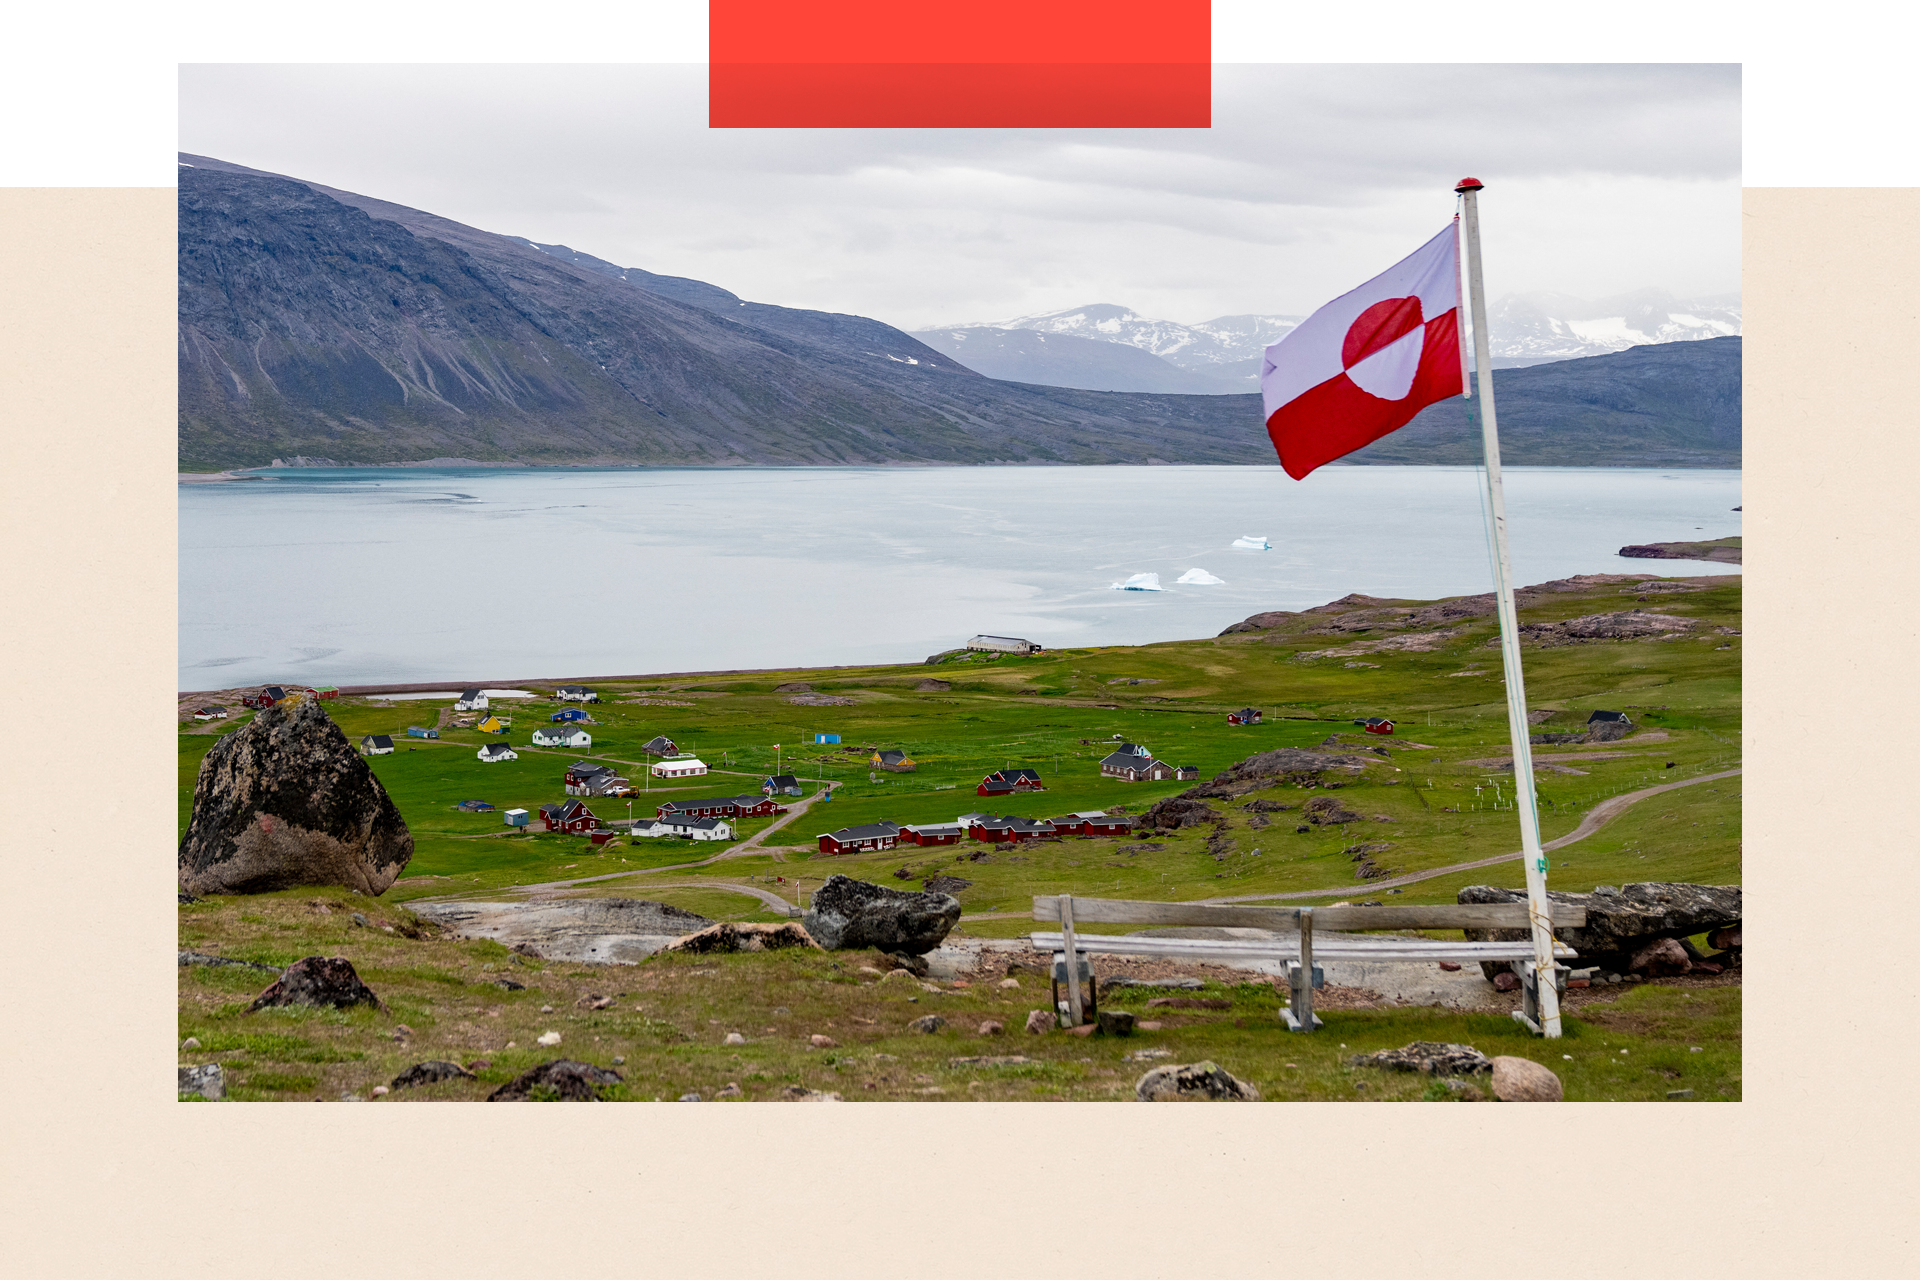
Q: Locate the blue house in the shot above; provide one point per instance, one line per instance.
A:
(824, 738)
(415, 731)
(566, 714)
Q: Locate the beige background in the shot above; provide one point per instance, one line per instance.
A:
(107, 1175)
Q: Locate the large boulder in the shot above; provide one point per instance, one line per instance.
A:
(1524, 1080)
(847, 914)
(1620, 921)
(286, 801)
(1193, 1082)
(727, 937)
(561, 1080)
(1432, 1057)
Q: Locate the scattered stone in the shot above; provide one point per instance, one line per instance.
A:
(1463, 1091)
(1195, 1082)
(286, 801)
(1450, 966)
(898, 975)
(822, 1042)
(1004, 1060)
(1147, 1055)
(1148, 1026)
(727, 938)
(945, 884)
(380, 1091)
(191, 1042)
(1524, 1080)
(546, 1008)
(1177, 984)
(871, 972)
(1116, 1022)
(424, 1073)
(1707, 966)
(1009, 984)
(361, 920)
(992, 1027)
(1327, 811)
(567, 1080)
(1506, 980)
(481, 1064)
(1727, 939)
(548, 1040)
(619, 1061)
(317, 980)
(1674, 1094)
(927, 1024)
(1661, 959)
(731, 1091)
(508, 984)
(1041, 1021)
(688, 1097)
(1084, 1029)
(734, 1037)
(1432, 1057)
(796, 1093)
(591, 1001)
(915, 965)
(207, 1081)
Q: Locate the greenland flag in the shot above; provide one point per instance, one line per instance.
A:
(1368, 361)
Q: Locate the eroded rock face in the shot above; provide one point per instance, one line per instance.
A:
(1621, 921)
(1193, 1082)
(562, 1080)
(286, 801)
(1327, 811)
(325, 981)
(847, 914)
(586, 930)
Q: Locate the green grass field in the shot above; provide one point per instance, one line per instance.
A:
(1437, 798)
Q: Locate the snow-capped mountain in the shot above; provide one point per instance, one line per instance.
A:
(1529, 328)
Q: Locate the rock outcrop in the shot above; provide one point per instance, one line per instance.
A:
(425, 1073)
(847, 914)
(561, 1080)
(727, 937)
(286, 801)
(1193, 1082)
(587, 930)
(323, 981)
(1429, 1056)
(1620, 922)
(1283, 764)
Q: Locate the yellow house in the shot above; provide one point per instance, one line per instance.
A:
(494, 724)
(893, 762)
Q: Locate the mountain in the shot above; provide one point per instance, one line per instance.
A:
(1526, 329)
(1671, 404)
(1059, 360)
(321, 323)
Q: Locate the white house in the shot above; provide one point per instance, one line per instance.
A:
(471, 700)
(649, 828)
(1003, 644)
(497, 751)
(575, 693)
(695, 828)
(562, 735)
(377, 744)
(684, 767)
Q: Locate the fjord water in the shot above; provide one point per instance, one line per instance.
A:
(386, 576)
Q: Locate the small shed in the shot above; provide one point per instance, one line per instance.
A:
(826, 739)
(475, 806)
(495, 752)
(568, 715)
(416, 731)
(517, 817)
(376, 744)
(470, 700)
(601, 837)
(1245, 715)
(1376, 724)
(325, 692)
(1608, 726)
(210, 713)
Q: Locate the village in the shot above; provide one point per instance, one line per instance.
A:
(1315, 759)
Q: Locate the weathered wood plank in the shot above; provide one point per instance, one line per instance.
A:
(1073, 958)
(1288, 948)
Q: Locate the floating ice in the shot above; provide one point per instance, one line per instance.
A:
(1253, 542)
(1199, 578)
(1140, 582)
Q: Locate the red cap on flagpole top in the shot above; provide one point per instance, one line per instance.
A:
(1468, 184)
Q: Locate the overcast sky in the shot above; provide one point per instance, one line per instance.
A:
(1600, 179)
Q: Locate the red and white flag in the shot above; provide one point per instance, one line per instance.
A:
(1368, 361)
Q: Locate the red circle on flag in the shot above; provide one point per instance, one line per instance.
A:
(1380, 325)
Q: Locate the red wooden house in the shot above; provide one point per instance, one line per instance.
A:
(874, 835)
(571, 818)
(1009, 830)
(946, 834)
(1376, 724)
(1093, 823)
(1007, 781)
(720, 807)
(1245, 715)
(264, 698)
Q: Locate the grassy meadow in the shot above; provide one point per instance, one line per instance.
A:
(1439, 796)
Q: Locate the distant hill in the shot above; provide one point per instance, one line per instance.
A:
(1061, 360)
(322, 323)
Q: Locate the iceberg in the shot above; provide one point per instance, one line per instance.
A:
(1140, 582)
(1199, 578)
(1253, 542)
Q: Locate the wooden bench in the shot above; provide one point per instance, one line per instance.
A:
(1298, 955)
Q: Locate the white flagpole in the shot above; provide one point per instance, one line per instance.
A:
(1536, 862)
